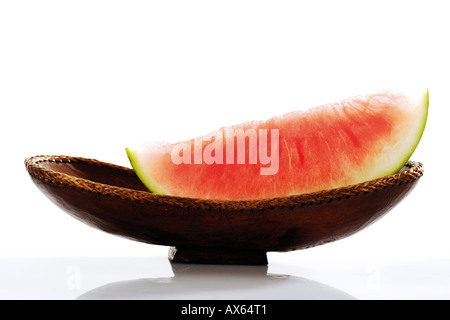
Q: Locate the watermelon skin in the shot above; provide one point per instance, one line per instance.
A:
(329, 146)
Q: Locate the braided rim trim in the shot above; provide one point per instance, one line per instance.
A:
(411, 172)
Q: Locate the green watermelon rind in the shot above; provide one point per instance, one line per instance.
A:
(420, 132)
(140, 172)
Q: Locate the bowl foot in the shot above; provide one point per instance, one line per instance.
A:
(203, 255)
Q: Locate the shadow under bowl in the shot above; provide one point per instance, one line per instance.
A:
(113, 199)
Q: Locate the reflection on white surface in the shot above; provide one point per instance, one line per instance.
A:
(192, 281)
(287, 277)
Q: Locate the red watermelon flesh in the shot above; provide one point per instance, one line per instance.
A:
(329, 146)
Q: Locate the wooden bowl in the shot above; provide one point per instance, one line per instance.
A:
(113, 199)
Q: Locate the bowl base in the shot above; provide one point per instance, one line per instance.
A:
(202, 255)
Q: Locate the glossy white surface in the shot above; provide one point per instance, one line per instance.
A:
(155, 278)
(87, 78)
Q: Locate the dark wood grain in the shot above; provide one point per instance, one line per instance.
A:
(111, 198)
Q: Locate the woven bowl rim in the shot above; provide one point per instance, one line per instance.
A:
(411, 172)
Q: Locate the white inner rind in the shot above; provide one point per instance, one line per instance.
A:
(407, 138)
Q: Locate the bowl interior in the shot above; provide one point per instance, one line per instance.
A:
(95, 172)
(106, 178)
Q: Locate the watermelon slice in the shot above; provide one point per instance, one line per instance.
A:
(329, 146)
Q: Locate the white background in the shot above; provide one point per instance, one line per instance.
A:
(88, 78)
